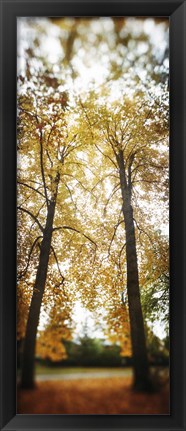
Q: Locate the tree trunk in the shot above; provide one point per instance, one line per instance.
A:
(139, 350)
(27, 378)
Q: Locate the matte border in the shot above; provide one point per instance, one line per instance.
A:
(176, 11)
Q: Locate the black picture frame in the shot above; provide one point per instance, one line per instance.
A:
(176, 11)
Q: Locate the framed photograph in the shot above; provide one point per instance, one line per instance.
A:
(92, 227)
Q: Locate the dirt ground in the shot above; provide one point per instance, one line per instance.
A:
(91, 396)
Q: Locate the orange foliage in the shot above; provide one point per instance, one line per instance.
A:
(118, 330)
(49, 344)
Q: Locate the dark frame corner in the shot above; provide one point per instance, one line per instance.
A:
(176, 11)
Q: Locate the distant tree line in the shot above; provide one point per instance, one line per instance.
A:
(96, 353)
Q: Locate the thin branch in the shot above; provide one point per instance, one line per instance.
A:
(48, 139)
(76, 230)
(35, 182)
(49, 158)
(119, 257)
(30, 187)
(25, 200)
(80, 183)
(37, 215)
(41, 163)
(106, 155)
(109, 136)
(113, 236)
(33, 216)
(143, 231)
(29, 257)
(56, 259)
(71, 196)
(101, 180)
(87, 117)
(145, 181)
(30, 114)
(72, 148)
(116, 188)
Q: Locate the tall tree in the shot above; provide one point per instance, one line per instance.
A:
(45, 147)
(33, 123)
(131, 136)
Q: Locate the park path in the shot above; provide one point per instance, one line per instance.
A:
(87, 375)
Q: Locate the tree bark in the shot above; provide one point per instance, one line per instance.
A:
(139, 350)
(27, 377)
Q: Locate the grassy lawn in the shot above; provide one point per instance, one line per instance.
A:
(41, 369)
